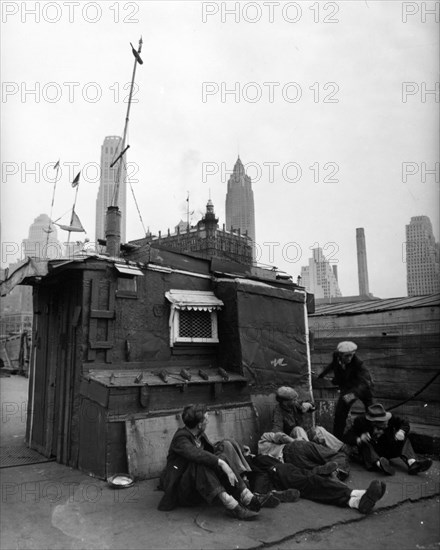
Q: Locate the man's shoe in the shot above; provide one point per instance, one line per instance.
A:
(341, 474)
(420, 465)
(326, 469)
(240, 512)
(375, 492)
(386, 467)
(288, 495)
(269, 500)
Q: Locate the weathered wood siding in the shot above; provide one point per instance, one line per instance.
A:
(400, 347)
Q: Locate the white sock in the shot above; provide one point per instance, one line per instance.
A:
(228, 500)
(411, 461)
(246, 496)
(355, 497)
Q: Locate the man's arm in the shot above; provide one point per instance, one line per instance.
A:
(184, 446)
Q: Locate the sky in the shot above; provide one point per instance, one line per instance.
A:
(332, 106)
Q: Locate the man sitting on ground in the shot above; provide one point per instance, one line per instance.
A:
(198, 471)
(380, 436)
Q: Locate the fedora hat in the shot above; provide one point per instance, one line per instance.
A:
(376, 413)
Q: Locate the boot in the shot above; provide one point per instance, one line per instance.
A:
(420, 465)
(240, 512)
(263, 501)
(375, 492)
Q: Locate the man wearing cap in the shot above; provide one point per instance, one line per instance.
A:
(288, 412)
(380, 436)
(354, 382)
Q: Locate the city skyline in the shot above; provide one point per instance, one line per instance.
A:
(332, 115)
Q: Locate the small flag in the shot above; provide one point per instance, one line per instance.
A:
(75, 182)
(57, 165)
(137, 56)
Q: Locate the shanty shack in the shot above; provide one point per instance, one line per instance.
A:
(122, 343)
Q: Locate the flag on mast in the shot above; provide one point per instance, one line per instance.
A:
(75, 182)
(136, 54)
(75, 226)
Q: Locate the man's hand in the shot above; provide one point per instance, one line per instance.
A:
(400, 435)
(363, 438)
(307, 407)
(232, 478)
(348, 397)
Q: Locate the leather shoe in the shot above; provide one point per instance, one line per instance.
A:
(420, 465)
(375, 492)
(288, 495)
(240, 512)
(386, 467)
(269, 500)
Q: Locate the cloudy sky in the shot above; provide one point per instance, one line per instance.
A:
(328, 105)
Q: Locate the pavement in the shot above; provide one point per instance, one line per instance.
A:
(49, 505)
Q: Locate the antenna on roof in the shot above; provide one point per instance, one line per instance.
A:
(120, 158)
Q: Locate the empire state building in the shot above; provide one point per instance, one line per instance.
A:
(240, 212)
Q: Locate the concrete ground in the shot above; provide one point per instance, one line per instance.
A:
(55, 507)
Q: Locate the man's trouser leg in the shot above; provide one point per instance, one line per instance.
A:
(341, 412)
(311, 486)
(198, 482)
(368, 455)
(329, 439)
(390, 448)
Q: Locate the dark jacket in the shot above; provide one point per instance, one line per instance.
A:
(362, 425)
(182, 452)
(353, 378)
(285, 418)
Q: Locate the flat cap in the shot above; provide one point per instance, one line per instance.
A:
(284, 392)
(346, 347)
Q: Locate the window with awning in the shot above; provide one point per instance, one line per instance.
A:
(193, 316)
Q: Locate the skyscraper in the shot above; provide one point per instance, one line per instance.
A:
(422, 258)
(240, 212)
(110, 149)
(319, 278)
(362, 262)
(42, 242)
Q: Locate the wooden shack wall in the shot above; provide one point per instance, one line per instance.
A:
(135, 327)
(53, 419)
(400, 347)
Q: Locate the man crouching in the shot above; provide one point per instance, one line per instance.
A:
(198, 471)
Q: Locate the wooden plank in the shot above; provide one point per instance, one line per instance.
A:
(116, 453)
(92, 444)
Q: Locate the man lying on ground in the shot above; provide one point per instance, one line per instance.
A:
(305, 454)
(198, 471)
(287, 482)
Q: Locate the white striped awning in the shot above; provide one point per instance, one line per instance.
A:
(201, 300)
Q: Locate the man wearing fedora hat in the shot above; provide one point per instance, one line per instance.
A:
(380, 436)
(354, 382)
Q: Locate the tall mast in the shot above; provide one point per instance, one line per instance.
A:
(49, 229)
(137, 59)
